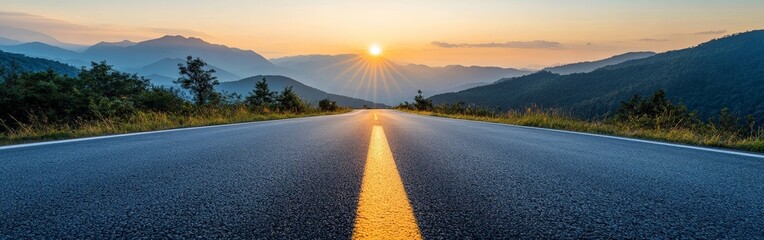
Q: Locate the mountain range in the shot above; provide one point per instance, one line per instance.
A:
(352, 74)
(168, 67)
(128, 55)
(725, 72)
(237, 61)
(22, 63)
(589, 88)
(19, 35)
(157, 59)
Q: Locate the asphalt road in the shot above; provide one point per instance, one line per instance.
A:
(301, 178)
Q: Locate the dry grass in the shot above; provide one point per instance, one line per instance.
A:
(553, 119)
(141, 122)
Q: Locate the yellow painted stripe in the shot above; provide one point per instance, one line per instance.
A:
(384, 211)
(375, 115)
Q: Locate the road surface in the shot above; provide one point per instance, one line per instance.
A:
(371, 173)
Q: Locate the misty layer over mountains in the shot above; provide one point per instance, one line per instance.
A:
(355, 75)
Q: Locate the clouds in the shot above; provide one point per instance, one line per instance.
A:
(652, 40)
(82, 33)
(538, 44)
(713, 32)
(683, 35)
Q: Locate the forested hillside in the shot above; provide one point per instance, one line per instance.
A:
(29, 64)
(726, 72)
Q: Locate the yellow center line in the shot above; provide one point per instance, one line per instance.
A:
(375, 115)
(384, 211)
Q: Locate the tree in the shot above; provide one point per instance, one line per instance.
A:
(199, 81)
(421, 103)
(289, 101)
(104, 81)
(327, 105)
(261, 96)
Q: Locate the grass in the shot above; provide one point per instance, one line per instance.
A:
(702, 136)
(142, 122)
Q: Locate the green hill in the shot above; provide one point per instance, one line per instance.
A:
(277, 83)
(726, 72)
(30, 64)
(584, 67)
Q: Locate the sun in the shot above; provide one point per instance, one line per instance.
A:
(375, 50)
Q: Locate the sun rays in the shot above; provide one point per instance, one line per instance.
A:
(372, 75)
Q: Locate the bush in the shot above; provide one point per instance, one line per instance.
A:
(327, 105)
(289, 101)
(422, 104)
(97, 92)
(655, 112)
(42, 95)
(261, 97)
(161, 99)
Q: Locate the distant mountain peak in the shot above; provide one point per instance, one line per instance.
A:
(123, 43)
(176, 40)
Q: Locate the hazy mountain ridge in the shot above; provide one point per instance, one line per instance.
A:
(139, 57)
(42, 50)
(31, 64)
(327, 72)
(341, 73)
(163, 71)
(237, 61)
(168, 67)
(584, 67)
(130, 55)
(123, 43)
(242, 86)
(26, 36)
(8, 41)
(464, 87)
(726, 72)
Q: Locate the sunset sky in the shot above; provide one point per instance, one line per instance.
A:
(521, 34)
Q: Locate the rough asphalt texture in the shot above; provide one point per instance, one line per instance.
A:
(301, 178)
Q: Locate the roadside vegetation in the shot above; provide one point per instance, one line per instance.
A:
(101, 100)
(654, 118)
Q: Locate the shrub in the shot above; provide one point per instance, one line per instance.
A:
(422, 104)
(327, 105)
(289, 101)
(161, 99)
(261, 97)
(655, 112)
